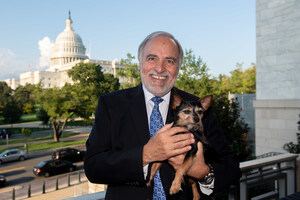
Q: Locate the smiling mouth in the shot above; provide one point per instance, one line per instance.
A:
(159, 77)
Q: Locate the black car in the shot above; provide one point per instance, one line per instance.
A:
(5, 133)
(2, 180)
(70, 154)
(51, 167)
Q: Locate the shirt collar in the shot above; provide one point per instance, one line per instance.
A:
(148, 95)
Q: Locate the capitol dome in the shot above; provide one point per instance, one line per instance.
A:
(68, 47)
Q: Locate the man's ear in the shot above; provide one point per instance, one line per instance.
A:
(206, 101)
(176, 100)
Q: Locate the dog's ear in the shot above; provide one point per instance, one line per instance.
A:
(176, 100)
(206, 101)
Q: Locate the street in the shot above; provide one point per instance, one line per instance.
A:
(19, 175)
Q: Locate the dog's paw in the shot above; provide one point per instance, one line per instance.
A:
(196, 196)
(148, 183)
(175, 188)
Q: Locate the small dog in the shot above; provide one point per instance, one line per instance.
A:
(189, 115)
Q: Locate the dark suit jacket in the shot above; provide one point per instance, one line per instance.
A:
(115, 148)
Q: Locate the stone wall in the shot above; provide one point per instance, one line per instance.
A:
(276, 124)
(277, 105)
(278, 49)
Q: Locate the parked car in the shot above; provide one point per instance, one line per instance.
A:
(5, 132)
(13, 155)
(51, 167)
(2, 180)
(70, 154)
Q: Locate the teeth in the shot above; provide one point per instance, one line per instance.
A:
(159, 77)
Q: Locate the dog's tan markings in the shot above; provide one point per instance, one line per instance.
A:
(181, 171)
(176, 101)
(155, 167)
(193, 184)
(206, 101)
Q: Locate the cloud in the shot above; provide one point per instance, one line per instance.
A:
(10, 64)
(45, 47)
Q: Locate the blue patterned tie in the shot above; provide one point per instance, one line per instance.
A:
(156, 122)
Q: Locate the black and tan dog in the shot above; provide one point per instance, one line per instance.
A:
(189, 115)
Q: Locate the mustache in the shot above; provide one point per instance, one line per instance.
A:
(153, 72)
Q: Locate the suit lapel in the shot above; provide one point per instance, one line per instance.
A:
(139, 113)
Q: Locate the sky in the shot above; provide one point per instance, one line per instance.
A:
(221, 33)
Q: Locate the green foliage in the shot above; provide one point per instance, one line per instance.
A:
(26, 132)
(291, 147)
(43, 116)
(89, 83)
(130, 73)
(12, 111)
(24, 95)
(233, 126)
(79, 98)
(59, 105)
(239, 82)
(5, 94)
(28, 108)
(193, 75)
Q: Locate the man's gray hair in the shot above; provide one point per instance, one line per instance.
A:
(156, 34)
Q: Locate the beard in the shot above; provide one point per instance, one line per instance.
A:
(155, 87)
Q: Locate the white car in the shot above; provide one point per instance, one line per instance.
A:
(12, 155)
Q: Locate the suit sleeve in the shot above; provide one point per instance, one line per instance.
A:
(106, 160)
(224, 161)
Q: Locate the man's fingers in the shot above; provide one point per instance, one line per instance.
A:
(165, 127)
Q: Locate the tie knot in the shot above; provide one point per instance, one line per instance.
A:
(157, 100)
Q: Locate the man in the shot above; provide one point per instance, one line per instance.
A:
(120, 150)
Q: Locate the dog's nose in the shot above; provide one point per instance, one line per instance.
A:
(196, 118)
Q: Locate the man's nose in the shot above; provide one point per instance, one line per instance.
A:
(160, 67)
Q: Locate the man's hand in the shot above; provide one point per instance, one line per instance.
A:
(165, 144)
(198, 169)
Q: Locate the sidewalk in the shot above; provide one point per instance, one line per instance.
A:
(63, 193)
(76, 190)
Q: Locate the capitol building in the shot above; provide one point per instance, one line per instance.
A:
(68, 50)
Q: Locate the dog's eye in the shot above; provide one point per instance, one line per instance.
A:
(200, 112)
(187, 112)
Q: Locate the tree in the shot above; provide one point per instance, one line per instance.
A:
(233, 126)
(12, 111)
(5, 93)
(193, 75)
(27, 133)
(249, 82)
(59, 105)
(24, 95)
(239, 82)
(130, 73)
(89, 84)
(43, 116)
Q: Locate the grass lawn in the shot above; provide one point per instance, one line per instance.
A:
(29, 117)
(46, 145)
(24, 118)
(49, 137)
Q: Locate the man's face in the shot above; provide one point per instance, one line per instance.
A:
(159, 65)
